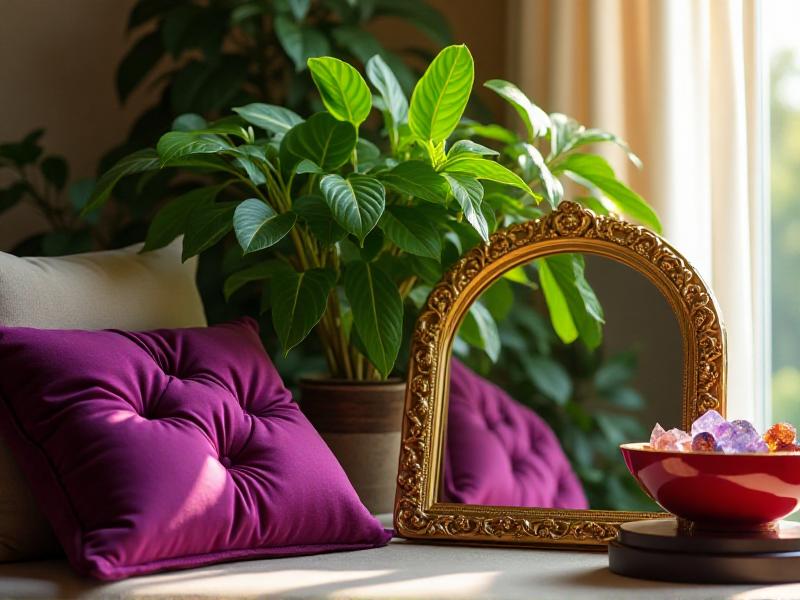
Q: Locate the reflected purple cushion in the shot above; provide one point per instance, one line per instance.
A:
(171, 449)
(501, 452)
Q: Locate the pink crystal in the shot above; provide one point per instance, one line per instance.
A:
(657, 432)
(674, 439)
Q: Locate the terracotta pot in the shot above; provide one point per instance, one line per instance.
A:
(360, 422)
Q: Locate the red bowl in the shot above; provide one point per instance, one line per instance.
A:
(718, 491)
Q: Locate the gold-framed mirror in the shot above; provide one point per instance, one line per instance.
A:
(426, 507)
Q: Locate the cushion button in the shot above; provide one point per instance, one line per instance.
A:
(226, 462)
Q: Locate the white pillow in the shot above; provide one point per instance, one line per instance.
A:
(115, 289)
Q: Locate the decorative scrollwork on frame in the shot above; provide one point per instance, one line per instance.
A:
(569, 228)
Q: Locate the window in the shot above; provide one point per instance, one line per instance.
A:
(782, 55)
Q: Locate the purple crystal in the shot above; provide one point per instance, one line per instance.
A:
(743, 438)
(709, 421)
(704, 442)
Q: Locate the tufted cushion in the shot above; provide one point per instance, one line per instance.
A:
(113, 288)
(501, 452)
(171, 449)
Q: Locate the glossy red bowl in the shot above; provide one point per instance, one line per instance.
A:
(743, 492)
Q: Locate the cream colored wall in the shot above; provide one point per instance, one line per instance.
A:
(57, 63)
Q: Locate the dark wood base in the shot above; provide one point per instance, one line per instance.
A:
(666, 551)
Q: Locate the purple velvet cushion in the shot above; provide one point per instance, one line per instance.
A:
(501, 452)
(171, 449)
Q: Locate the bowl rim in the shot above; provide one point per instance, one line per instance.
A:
(645, 447)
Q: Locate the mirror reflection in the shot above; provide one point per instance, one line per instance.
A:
(555, 364)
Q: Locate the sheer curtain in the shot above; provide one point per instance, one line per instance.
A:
(680, 80)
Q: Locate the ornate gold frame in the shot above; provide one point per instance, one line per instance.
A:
(571, 228)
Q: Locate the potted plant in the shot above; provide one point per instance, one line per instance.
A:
(345, 238)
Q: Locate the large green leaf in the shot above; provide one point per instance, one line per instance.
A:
(318, 217)
(377, 313)
(356, 202)
(384, 80)
(483, 168)
(323, 140)
(537, 123)
(178, 144)
(418, 179)
(469, 147)
(480, 330)
(257, 272)
(300, 43)
(441, 95)
(567, 134)
(275, 119)
(207, 224)
(468, 192)
(412, 231)
(138, 162)
(298, 302)
(258, 226)
(594, 170)
(574, 308)
(344, 92)
(170, 221)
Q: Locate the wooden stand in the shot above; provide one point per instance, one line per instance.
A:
(662, 549)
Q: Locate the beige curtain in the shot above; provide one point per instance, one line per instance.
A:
(679, 80)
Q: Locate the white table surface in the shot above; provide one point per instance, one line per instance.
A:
(402, 569)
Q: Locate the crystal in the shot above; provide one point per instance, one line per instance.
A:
(658, 431)
(704, 442)
(744, 438)
(674, 439)
(780, 436)
(709, 422)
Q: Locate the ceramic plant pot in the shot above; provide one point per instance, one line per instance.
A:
(360, 422)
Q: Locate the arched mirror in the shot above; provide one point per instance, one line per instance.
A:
(532, 360)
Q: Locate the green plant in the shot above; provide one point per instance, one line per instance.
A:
(347, 233)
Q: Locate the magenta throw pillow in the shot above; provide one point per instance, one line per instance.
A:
(171, 449)
(500, 452)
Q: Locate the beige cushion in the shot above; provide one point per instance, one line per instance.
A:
(119, 289)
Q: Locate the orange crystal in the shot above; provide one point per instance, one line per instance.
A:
(780, 437)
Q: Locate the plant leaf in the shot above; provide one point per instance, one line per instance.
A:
(138, 63)
(299, 8)
(377, 313)
(574, 308)
(384, 80)
(300, 43)
(418, 179)
(537, 122)
(596, 171)
(470, 147)
(170, 221)
(319, 219)
(258, 226)
(411, 231)
(298, 302)
(207, 224)
(275, 119)
(55, 170)
(138, 162)
(356, 202)
(257, 272)
(177, 144)
(549, 377)
(482, 168)
(421, 15)
(553, 190)
(322, 139)
(468, 192)
(189, 122)
(441, 95)
(480, 330)
(344, 92)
